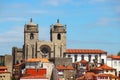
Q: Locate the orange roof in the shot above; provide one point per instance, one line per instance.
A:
(88, 75)
(83, 61)
(85, 51)
(33, 77)
(97, 69)
(105, 67)
(37, 60)
(61, 67)
(106, 75)
(3, 67)
(114, 57)
(69, 67)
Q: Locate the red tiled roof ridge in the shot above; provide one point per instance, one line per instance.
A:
(61, 67)
(69, 67)
(106, 67)
(3, 67)
(113, 56)
(85, 51)
(37, 60)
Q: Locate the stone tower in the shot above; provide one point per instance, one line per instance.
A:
(30, 40)
(58, 37)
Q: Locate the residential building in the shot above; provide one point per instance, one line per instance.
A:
(37, 69)
(114, 61)
(66, 72)
(98, 56)
(4, 74)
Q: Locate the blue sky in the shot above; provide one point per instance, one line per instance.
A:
(91, 24)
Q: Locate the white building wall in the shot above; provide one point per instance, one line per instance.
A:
(109, 62)
(116, 65)
(33, 65)
(103, 56)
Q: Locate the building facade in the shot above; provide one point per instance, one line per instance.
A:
(114, 61)
(93, 56)
(35, 48)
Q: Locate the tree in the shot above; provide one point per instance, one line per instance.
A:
(118, 53)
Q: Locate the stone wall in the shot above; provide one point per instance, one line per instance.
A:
(63, 61)
(8, 62)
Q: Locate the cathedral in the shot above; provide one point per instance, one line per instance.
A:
(35, 48)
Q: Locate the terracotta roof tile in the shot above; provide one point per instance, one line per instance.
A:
(105, 67)
(106, 75)
(114, 57)
(83, 61)
(3, 67)
(61, 67)
(69, 67)
(37, 60)
(84, 51)
(33, 77)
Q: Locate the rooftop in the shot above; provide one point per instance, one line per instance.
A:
(114, 57)
(105, 67)
(37, 60)
(85, 51)
(61, 67)
(3, 67)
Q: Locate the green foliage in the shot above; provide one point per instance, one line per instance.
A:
(118, 53)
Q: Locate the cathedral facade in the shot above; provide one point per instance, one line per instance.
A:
(35, 48)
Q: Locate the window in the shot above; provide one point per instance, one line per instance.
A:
(75, 57)
(82, 56)
(59, 37)
(89, 57)
(111, 70)
(69, 56)
(119, 63)
(96, 56)
(106, 70)
(102, 61)
(115, 63)
(31, 36)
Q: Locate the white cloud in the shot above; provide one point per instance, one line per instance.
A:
(56, 2)
(13, 35)
(105, 22)
(98, 0)
(11, 19)
(37, 12)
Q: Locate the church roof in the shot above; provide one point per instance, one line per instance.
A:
(84, 51)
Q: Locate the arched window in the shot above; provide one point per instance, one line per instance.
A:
(31, 36)
(59, 37)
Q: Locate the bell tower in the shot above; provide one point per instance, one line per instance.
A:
(58, 37)
(30, 40)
